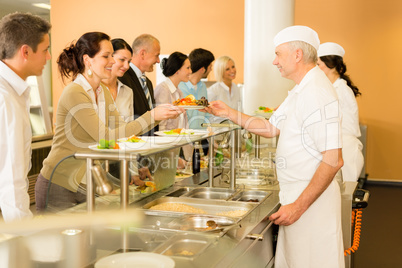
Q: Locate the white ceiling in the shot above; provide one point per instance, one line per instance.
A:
(10, 6)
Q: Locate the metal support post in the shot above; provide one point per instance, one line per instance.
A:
(232, 161)
(211, 141)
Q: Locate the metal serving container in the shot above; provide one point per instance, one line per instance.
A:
(210, 193)
(186, 246)
(210, 207)
(202, 223)
(251, 196)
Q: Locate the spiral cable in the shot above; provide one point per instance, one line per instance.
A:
(357, 222)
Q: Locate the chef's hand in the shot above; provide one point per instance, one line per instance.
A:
(218, 108)
(143, 173)
(286, 215)
(166, 111)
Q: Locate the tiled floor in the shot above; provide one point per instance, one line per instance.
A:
(381, 237)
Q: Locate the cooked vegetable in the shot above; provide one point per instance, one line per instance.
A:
(105, 144)
(265, 109)
(134, 139)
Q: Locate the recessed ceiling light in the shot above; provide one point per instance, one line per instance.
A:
(42, 5)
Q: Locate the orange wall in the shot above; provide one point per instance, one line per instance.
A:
(180, 25)
(370, 31)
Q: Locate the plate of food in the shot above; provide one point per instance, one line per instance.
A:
(190, 102)
(181, 174)
(264, 111)
(179, 132)
(143, 143)
(107, 146)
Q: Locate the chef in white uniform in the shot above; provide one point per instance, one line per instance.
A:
(308, 156)
(331, 62)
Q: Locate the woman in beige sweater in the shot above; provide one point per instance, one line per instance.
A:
(86, 113)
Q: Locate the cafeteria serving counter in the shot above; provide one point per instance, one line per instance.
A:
(232, 229)
(245, 240)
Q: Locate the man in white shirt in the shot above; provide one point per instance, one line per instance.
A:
(24, 51)
(308, 156)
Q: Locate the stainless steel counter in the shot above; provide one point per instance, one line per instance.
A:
(249, 242)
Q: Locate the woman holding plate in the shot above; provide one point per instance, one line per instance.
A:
(86, 113)
(176, 68)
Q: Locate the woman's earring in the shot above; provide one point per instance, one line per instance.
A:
(89, 72)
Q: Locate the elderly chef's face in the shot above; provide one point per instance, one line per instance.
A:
(285, 59)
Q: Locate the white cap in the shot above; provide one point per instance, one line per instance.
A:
(330, 48)
(297, 33)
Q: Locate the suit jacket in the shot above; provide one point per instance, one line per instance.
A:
(141, 105)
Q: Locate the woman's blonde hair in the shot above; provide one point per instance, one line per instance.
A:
(220, 66)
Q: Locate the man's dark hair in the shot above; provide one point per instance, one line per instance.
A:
(200, 58)
(18, 29)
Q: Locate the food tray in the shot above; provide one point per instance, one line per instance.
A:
(211, 207)
(199, 223)
(186, 246)
(210, 193)
(251, 196)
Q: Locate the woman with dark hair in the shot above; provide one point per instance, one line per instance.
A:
(86, 114)
(330, 60)
(176, 68)
(122, 94)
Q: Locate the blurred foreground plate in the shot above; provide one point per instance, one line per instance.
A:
(136, 259)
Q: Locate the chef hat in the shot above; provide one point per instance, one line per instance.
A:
(330, 48)
(297, 33)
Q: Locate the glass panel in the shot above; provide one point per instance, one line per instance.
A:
(67, 187)
(36, 116)
(39, 115)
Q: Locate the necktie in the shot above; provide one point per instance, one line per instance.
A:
(146, 90)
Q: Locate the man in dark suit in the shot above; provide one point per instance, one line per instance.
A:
(146, 50)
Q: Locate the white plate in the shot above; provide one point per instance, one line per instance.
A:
(136, 259)
(191, 107)
(124, 147)
(190, 132)
(159, 140)
(150, 142)
(95, 148)
(264, 114)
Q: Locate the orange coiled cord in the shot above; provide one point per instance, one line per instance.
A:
(357, 222)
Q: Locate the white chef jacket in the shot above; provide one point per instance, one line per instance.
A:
(352, 147)
(309, 124)
(125, 102)
(15, 144)
(220, 91)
